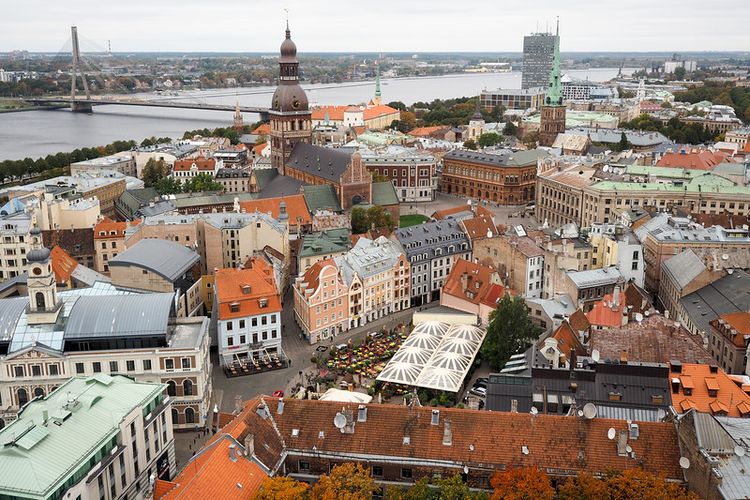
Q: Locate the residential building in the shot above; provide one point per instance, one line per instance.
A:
(161, 266)
(552, 119)
(322, 245)
(538, 54)
(234, 180)
(587, 287)
(666, 235)
(133, 203)
(561, 255)
(739, 136)
(412, 172)
(290, 211)
(519, 260)
(288, 441)
(78, 243)
(167, 153)
(706, 389)
(291, 120)
(692, 158)
(507, 178)
(70, 274)
(432, 249)
(15, 243)
(368, 282)
(559, 193)
(247, 309)
(109, 241)
(718, 118)
(616, 245)
(728, 341)
(473, 288)
(123, 163)
(681, 275)
(576, 88)
(235, 157)
(514, 99)
(574, 119)
(725, 295)
(108, 435)
(188, 168)
(371, 117)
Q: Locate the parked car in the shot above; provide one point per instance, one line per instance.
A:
(376, 335)
(478, 391)
(278, 394)
(482, 381)
(341, 347)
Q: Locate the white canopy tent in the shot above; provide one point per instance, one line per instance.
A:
(435, 356)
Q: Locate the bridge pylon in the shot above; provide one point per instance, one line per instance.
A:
(78, 107)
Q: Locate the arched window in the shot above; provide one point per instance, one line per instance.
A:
(175, 416)
(171, 388)
(187, 387)
(23, 396)
(38, 392)
(189, 416)
(40, 301)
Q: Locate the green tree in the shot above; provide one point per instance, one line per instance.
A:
(531, 139)
(679, 73)
(397, 105)
(510, 331)
(510, 129)
(454, 488)
(282, 488)
(167, 185)
(202, 182)
(488, 139)
(153, 172)
(624, 144)
(470, 144)
(363, 219)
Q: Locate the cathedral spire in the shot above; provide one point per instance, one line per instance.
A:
(377, 100)
(478, 109)
(554, 91)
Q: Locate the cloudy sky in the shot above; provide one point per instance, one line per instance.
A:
(376, 25)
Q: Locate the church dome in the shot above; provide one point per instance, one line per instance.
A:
(38, 255)
(289, 98)
(288, 49)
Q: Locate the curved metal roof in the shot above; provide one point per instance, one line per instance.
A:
(119, 316)
(167, 259)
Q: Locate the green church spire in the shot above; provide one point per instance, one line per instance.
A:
(554, 92)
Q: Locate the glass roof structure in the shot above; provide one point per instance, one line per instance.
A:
(435, 356)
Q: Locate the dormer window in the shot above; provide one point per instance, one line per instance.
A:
(234, 307)
(246, 289)
(263, 303)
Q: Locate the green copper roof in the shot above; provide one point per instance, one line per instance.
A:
(384, 194)
(554, 91)
(577, 119)
(321, 197)
(664, 172)
(326, 242)
(40, 461)
(708, 183)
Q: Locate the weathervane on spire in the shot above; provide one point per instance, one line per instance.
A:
(286, 14)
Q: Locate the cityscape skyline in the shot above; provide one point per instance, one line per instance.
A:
(639, 28)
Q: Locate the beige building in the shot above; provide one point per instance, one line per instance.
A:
(681, 275)
(62, 213)
(14, 245)
(519, 260)
(123, 163)
(559, 193)
(109, 241)
(561, 256)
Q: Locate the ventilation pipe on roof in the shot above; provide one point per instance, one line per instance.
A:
(232, 453)
(249, 445)
(447, 433)
(435, 420)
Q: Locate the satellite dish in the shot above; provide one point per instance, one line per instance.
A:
(580, 413)
(724, 256)
(595, 355)
(628, 449)
(339, 421)
(589, 410)
(489, 233)
(739, 451)
(468, 202)
(660, 414)
(611, 433)
(534, 411)
(685, 462)
(638, 317)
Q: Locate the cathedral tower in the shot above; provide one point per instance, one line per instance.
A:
(291, 120)
(44, 305)
(553, 110)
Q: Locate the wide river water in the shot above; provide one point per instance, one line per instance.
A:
(39, 133)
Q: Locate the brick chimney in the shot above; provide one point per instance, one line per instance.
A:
(249, 445)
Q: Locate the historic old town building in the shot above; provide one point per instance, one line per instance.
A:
(553, 111)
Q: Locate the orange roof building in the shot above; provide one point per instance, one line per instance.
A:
(730, 337)
(263, 129)
(707, 389)
(224, 469)
(109, 238)
(249, 312)
(373, 117)
(698, 159)
(294, 206)
(468, 286)
(436, 132)
(201, 164)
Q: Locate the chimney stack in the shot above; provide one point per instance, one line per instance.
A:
(249, 445)
(232, 453)
(447, 434)
(624, 357)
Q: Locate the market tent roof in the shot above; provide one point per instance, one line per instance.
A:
(345, 396)
(435, 356)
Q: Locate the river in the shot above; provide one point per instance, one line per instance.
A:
(39, 133)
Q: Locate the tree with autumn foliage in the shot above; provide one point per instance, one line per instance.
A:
(282, 488)
(632, 483)
(348, 481)
(527, 483)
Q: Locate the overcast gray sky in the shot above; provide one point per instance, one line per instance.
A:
(377, 25)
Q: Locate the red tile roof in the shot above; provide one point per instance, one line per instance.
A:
(447, 212)
(335, 113)
(107, 225)
(63, 264)
(606, 313)
(567, 340)
(734, 326)
(312, 275)
(479, 227)
(201, 163)
(231, 290)
(263, 129)
(372, 112)
(728, 399)
(469, 281)
(295, 207)
(491, 440)
(694, 159)
(427, 131)
(213, 474)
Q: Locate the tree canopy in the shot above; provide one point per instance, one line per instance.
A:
(282, 488)
(363, 219)
(449, 488)
(348, 481)
(528, 483)
(488, 139)
(632, 483)
(510, 331)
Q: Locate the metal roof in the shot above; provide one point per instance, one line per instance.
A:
(504, 159)
(327, 163)
(10, 311)
(684, 267)
(119, 316)
(730, 293)
(165, 258)
(37, 460)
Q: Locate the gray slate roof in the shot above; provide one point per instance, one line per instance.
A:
(280, 185)
(502, 159)
(725, 295)
(327, 163)
(428, 237)
(384, 194)
(165, 258)
(119, 316)
(684, 267)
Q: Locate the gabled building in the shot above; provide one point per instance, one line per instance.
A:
(185, 170)
(247, 309)
(321, 302)
(109, 241)
(432, 249)
(321, 246)
(728, 341)
(472, 288)
(707, 389)
(519, 260)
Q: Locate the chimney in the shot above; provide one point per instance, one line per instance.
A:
(45, 416)
(624, 357)
(514, 406)
(280, 407)
(573, 361)
(249, 445)
(361, 413)
(616, 297)
(435, 420)
(447, 434)
(232, 453)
